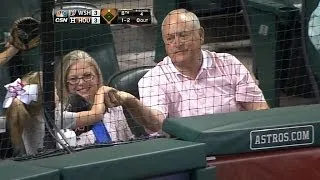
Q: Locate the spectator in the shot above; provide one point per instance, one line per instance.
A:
(24, 35)
(24, 113)
(81, 75)
(191, 81)
(8, 53)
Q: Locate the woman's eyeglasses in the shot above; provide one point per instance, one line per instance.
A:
(76, 80)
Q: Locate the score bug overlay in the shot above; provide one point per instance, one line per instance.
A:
(77, 16)
(84, 16)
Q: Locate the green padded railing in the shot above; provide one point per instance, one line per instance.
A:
(20, 170)
(138, 160)
(242, 132)
(205, 173)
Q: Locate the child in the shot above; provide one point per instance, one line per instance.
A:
(78, 73)
(24, 113)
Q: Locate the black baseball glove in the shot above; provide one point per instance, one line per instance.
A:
(25, 33)
(77, 103)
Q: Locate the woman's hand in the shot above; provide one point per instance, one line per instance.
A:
(7, 54)
(33, 42)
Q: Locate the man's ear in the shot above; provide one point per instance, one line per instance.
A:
(201, 31)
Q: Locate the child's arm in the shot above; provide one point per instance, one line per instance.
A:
(73, 120)
(97, 111)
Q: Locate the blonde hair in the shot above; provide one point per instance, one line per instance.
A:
(187, 15)
(63, 69)
(20, 114)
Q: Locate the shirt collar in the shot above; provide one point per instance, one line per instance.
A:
(206, 62)
(206, 59)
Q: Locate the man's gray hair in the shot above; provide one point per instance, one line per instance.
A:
(189, 17)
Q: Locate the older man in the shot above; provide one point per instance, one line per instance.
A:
(191, 81)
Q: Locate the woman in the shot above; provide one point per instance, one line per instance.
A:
(78, 73)
(8, 53)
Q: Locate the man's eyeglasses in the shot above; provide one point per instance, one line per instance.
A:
(182, 37)
(76, 80)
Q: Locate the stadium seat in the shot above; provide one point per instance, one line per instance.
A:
(128, 81)
(97, 40)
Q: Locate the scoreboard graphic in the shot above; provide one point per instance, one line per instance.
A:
(102, 16)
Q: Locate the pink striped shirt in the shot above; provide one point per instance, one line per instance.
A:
(222, 82)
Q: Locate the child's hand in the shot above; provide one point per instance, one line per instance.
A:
(106, 95)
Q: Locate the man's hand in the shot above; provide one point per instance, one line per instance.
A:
(124, 97)
(149, 118)
(34, 42)
(251, 106)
